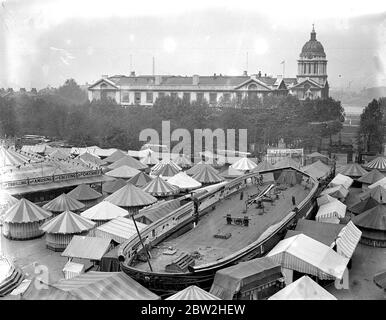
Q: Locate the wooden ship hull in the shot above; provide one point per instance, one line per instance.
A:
(184, 218)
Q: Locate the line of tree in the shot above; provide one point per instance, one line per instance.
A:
(65, 113)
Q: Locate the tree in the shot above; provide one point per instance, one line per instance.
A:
(72, 92)
(8, 124)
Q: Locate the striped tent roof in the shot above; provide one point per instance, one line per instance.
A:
(378, 163)
(112, 186)
(371, 177)
(25, 211)
(197, 167)
(159, 187)
(378, 193)
(140, 179)
(124, 172)
(206, 175)
(374, 218)
(67, 223)
(131, 196)
(303, 289)
(183, 181)
(84, 192)
(12, 158)
(128, 161)
(363, 205)
(104, 210)
(164, 162)
(95, 285)
(182, 161)
(87, 157)
(263, 166)
(352, 170)
(63, 203)
(193, 293)
(6, 200)
(115, 156)
(167, 170)
(244, 164)
(287, 162)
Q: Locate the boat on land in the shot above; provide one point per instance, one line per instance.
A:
(218, 226)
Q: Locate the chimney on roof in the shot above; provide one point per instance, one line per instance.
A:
(104, 76)
(259, 74)
(245, 73)
(157, 80)
(132, 73)
(196, 79)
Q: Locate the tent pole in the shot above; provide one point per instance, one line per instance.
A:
(143, 245)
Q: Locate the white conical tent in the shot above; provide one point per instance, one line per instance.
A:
(184, 182)
(244, 164)
(68, 223)
(104, 211)
(124, 172)
(193, 293)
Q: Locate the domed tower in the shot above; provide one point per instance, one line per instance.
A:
(312, 65)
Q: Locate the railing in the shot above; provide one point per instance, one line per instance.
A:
(48, 179)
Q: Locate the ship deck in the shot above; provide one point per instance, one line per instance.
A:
(200, 241)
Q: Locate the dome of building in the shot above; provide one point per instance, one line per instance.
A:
(312, 48)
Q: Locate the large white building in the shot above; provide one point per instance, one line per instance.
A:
(310, 82)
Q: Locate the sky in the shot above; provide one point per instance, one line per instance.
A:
(45, 42)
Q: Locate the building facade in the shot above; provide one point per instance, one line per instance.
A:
(219, 90)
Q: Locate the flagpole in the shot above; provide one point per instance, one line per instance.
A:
(283, 68)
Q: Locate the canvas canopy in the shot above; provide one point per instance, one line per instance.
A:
(303, 289)
(90, 248)
(131, 196)
(324, 199)
(112, 186)
(119, 229)
(290, 177)
(95, 285)
(287, 162)
(197, 167)
(363, 205)
(182, 161)
(381, 183)
(84, 192)
(263, 166)
(124, 172)
(206, 175)
(128, 161)
(9, 157)
(104, 210)
(67, 223)
(46, 292)
(244, 164)
(374, 218)
(89, 158)
(341, 180)
(257, 272)
(331, 212)
(306, 255)
(371, 177)
(317, 170)
(116, 155)
(140, 179)
(157, 211)
(353, 170)
(25, 211)
(338, 192)
(164, 162)
(62, 203)
(378, 163)
(160, 188)
(378, 193)
(193, 293)
(184, 182)
(166, 170)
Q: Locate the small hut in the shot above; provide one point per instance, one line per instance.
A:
(124, 172)
(112, 186)
(63, 203)
(22, 221)
(369, 178)
(61, 229)
(160, 188)
(103, 212)
(128, 161)
(85, 194)
(140, 179)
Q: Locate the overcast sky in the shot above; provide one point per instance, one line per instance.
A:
(46, 42)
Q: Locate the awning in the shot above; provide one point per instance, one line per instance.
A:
(105, 286)
(90, 248)
(57, 185)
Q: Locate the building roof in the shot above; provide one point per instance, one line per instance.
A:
(119, 229)
(104, 210)
(244, 164)
(62, 203)
(306, 255)
(256, 272)
(371, 177)
(312, 48)
(157, 211)
(353, 170)
(374, 218)
(287, 162)
(140, 179)
(158, 187)
(363, 205)
(193, 293)
(334, 209)
(124, 172)
(131, 196)
(127, 161)
(95, 285)
(205, 174)
(338, 192)
(67, 223)
(324, 199)
(25, 211)
(378, 163)
(114, 185)
(90, 248)
(303, 289)
(378, 193)
(84, 192)
(317, 169)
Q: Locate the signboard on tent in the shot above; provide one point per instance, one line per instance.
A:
(276, 154)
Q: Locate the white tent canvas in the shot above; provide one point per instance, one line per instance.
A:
(341, 180)
(381, 183)
(244, 164)
(331, 212)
